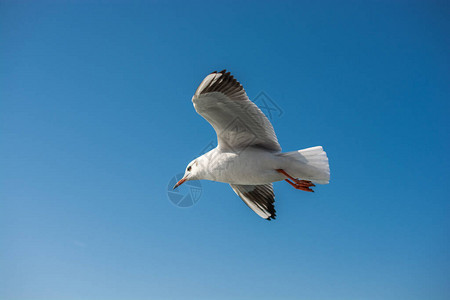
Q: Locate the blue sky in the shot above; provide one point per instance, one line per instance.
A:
(96, 119)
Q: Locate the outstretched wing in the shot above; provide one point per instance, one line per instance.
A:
(238, 122)
(260, 198)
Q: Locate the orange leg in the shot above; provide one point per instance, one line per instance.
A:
(303, 185)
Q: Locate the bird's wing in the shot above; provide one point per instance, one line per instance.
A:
(238, 122)
(260, 198)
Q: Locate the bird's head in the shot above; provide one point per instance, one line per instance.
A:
(192, 173)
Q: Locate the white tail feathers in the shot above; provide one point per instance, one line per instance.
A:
(308, 164)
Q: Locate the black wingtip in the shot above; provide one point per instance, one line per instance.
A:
(272, 217)
(222, 72)
(225, 83)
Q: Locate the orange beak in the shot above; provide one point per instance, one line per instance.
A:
(179, 183)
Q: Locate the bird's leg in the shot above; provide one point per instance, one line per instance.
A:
(303, 185)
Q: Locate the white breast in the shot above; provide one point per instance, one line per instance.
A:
(251, 166)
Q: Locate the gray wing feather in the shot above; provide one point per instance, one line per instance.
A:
(238, 122)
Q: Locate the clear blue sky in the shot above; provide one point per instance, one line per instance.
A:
(96, 118)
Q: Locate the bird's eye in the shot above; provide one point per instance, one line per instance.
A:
(189, 168)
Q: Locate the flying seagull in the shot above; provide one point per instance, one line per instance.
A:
(248, 155)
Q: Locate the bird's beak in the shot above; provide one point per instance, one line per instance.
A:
(179, 183)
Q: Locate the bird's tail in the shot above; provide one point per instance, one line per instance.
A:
(308, 164)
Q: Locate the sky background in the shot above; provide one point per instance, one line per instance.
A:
(96, 118)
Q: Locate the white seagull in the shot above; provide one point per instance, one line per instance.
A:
(248, 155)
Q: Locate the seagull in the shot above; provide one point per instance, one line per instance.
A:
(248, 155)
